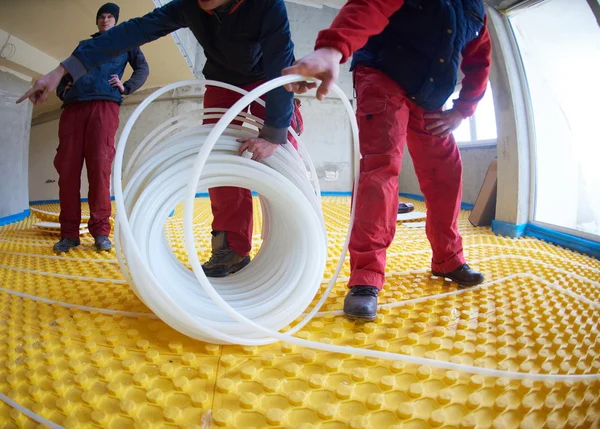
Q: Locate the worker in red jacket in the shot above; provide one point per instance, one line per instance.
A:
(405, 65)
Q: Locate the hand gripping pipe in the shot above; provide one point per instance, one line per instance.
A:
(253, 306)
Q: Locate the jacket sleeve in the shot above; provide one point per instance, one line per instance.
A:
(138, 62)
(476, 63)
(125, 36)
(278, 53)
(357, 21)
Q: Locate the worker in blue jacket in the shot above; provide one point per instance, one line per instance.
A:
(86, 132)
(246, 42)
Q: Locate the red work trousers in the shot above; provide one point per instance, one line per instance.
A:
(231, 206)
(387, 119)
(86, 132)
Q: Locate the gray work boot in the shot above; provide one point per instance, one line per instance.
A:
(65, 244)
(223, 261)
(102, 243)
(361, 303)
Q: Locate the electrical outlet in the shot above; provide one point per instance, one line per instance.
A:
(331, 176)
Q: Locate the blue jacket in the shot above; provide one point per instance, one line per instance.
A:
(248, 42)
(94, 85)
(421, 47)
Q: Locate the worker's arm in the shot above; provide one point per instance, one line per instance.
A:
(124, 37)
(138, 63)
(116, 41)
(476, 63)
(278, 53)
(357, 21)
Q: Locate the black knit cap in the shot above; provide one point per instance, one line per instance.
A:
(111, 8)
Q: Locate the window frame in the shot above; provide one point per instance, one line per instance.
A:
(530, 118)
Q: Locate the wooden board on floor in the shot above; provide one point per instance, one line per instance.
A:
(484, 210)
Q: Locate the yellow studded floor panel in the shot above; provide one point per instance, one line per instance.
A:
(95, 368)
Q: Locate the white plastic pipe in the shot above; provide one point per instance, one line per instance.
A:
(254, 305)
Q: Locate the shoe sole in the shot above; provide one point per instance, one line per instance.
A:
(234, 269)
(445, 276)
(104, 250)
(360, 317)
(64, 251)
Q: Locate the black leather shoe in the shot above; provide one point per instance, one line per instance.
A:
(463, 275)
(361, 303)
(405, 208)
(102, 243)
(66, 244)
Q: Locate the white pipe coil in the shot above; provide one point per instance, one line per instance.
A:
(252, 306)
(282, 280)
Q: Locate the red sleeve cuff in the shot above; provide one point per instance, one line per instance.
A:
(324, 42)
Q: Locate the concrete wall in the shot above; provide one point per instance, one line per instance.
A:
(43, 178)
(14, 138)
(476, 161)
(327, 136)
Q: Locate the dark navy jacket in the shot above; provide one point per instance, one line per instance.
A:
(94, 85)
(421, 47)
(248, 43)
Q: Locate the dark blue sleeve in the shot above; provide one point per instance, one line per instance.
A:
(125, 36)
(138, 63)
(278, 53)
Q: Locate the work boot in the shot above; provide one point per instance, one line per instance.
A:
(65, 244)
(223, 260)
(463, 275)
(361, 303)
(102, 243)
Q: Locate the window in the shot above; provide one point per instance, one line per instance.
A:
(559, 43)
(479, 128)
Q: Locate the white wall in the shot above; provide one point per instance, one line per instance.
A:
(14, 135)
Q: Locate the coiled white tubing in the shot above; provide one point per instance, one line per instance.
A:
(253, 305)
(282, 280)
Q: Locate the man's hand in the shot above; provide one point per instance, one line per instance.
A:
(115, 81)
(322, 64)
(259, 148)
(42, 87)
(443, 123)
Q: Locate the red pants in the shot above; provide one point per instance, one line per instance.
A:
(387, 119)
(86, 131)
(232, 207)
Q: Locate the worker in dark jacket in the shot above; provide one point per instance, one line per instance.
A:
(246, 42)
(406, 59)
(87, 128)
